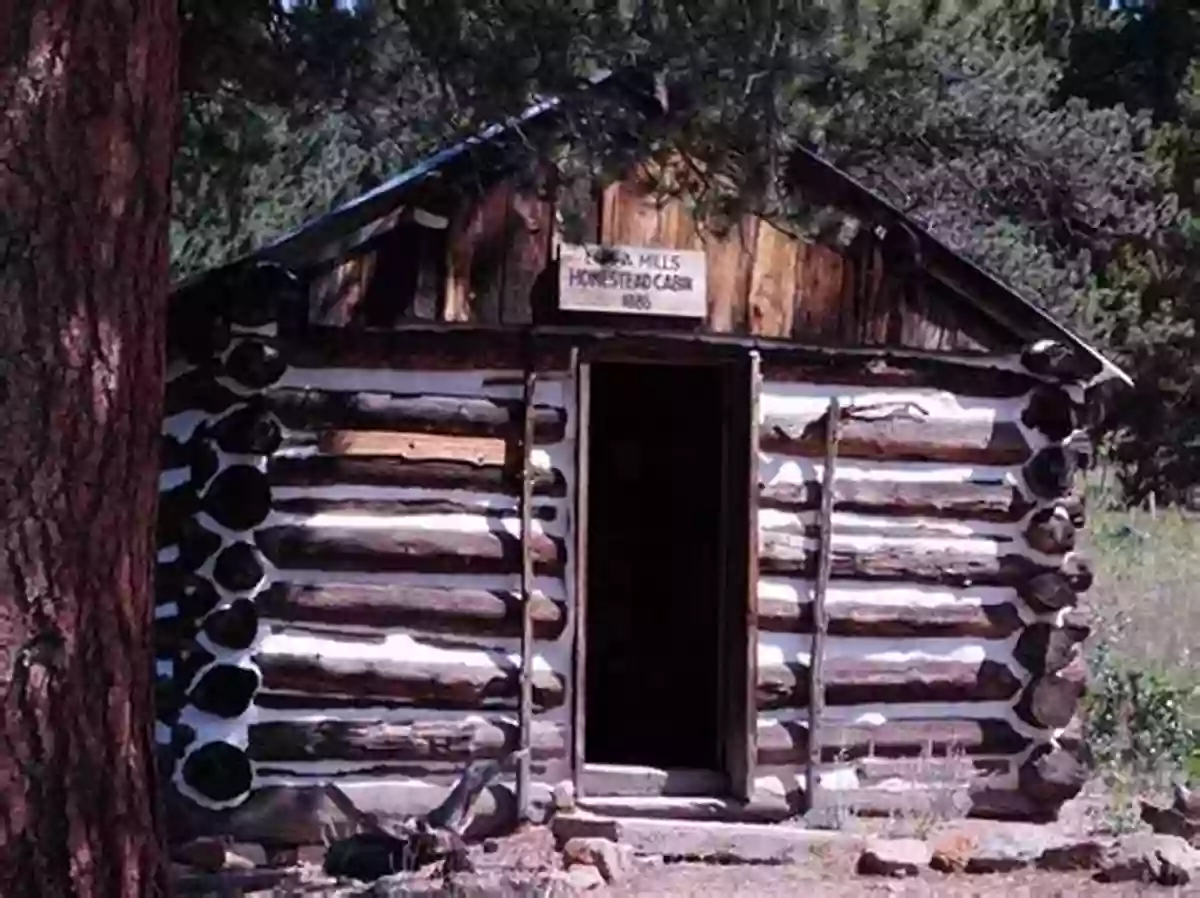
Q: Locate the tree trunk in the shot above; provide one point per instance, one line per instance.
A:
(88, 92)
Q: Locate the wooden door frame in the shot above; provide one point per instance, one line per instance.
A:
(738, 600)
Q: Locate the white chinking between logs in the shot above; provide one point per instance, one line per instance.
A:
(1028, 527)
(880, 627)
(224, 451)
(279, 642)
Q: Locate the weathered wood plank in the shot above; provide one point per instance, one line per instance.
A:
(453, 741)
(978, 500)
(630, 213)
(902, 435)
(474, 612)
(994, 621)
(475, 254)
(851, 681)
(399, 549)
(393, 471)
(730, 259)
(319, 410)
(411, 446)
(787, 553)
(821, 312)
(786, 742)
(773, 283)
(337, 295)
(530, 224)
(410, 683)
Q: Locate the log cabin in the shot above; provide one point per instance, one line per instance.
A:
(721, 524)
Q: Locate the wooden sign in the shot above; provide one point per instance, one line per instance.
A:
(633, 280)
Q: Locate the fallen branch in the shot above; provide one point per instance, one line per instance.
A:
(380, 849)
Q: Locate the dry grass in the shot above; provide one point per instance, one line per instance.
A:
(1146, 599)
(1144, 652)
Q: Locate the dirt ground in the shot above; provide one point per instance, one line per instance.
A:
(707, 881)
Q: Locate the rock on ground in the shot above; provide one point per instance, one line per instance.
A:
(1159, 859)
(492, 884)
(894, 857)
(613, 860)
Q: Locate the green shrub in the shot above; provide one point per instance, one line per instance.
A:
(1140, 719)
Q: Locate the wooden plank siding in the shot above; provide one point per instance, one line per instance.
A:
(493, 264)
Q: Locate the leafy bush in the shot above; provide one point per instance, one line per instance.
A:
(1138, 719)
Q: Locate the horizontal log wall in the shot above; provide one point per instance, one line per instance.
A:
(339, 574)
(948, 669)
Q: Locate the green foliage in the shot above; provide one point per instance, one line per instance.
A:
(1137, 719)
(1056, 144)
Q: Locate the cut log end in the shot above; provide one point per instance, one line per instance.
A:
(257, 294)
(1050, 474)
(254, 364)
(233, 627)
(1050, 701)
(1051, 531)
(1050, 591)
(238, 568)
(1051, 412)
(248, 431)
(225, 691)
(239, 498)
(218, 771)
(1046, 649)
(1059, 362)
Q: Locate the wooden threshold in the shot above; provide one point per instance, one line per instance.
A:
(626, 780)
(760, 809)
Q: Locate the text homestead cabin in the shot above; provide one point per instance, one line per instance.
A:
(714, 523)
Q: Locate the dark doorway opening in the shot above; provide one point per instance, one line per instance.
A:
(655, 568)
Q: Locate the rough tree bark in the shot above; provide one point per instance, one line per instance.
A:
(88, 94)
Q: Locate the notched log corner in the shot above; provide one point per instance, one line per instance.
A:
(1051, 531)
(239, 498)
(1059, 362)
(255, 364)
(1051, 412)
(250, 430)
(1054, 774)
(1050, 701)
(219, 771)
